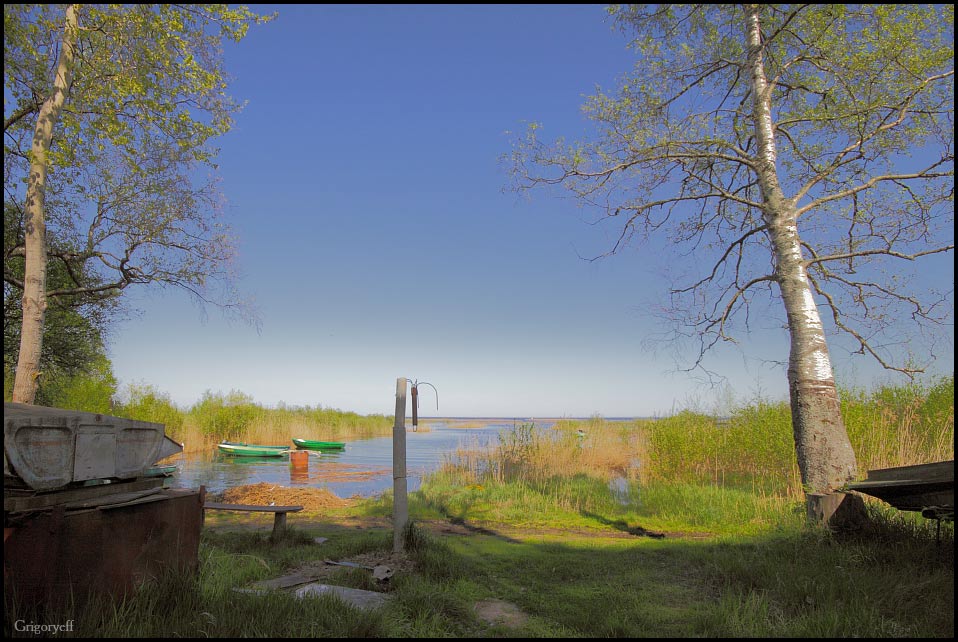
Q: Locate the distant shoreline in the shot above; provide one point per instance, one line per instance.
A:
(552, 419)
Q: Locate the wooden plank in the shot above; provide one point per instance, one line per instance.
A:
(279, 522)
(906, 485)
(126, 504)
(115, 498)
(41, 501)
(249, 508)
(937, 471)
(160, 494)
(908, 494)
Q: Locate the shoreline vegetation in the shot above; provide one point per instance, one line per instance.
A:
(888, 426)
(235, 416)
(681, 526)
(750, 444)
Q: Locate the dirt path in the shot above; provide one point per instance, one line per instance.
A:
(320, 514)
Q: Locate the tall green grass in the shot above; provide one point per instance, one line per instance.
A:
(889, 426)
(611, 468)
(791, 582)
(901, 425)
(753, 445)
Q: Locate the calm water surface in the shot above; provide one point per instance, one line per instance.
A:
(364, 468)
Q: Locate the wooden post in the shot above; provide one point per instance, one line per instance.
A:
(836, 511)
(400, 504)
(279, 527)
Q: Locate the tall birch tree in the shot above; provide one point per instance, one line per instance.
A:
(109, 114)
(802, 154)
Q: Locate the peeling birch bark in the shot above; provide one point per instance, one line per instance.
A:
(825, 456)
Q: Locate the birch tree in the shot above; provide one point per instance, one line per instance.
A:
(75, 327)
(109, 114)
(798, 154)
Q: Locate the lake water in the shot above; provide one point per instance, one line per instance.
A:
(364, 468)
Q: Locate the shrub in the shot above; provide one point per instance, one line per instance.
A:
(146, 403)
(91, 391)
(225, 416)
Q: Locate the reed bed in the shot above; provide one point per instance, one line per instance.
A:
(534, 470)
(236, 417)
(889, 426)
(605, 451)
(751, 449)
(903, 425)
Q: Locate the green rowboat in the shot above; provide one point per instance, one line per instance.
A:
(309, 444)
(243, 443)
(160, 471)
(252, 450)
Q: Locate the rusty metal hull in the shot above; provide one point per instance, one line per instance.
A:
(112, 549)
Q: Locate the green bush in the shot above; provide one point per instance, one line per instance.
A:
(225, 416)
(91, 391)
(146, 403)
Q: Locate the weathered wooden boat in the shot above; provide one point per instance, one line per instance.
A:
(311, 444)
(252, 450)
(925, 488)
(84, 515)
(50, 448)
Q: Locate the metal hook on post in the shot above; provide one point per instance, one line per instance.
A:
(415, 402)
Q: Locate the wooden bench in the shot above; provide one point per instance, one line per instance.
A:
(279, 523)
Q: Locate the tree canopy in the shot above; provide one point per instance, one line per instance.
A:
(109, 117)
(126, 197)
(801, 154)
(862, 105)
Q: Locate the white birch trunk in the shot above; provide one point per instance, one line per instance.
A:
(825, 456)
(35, 269)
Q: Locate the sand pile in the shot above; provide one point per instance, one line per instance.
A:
(264, 493)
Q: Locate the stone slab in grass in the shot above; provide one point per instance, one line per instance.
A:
(368, 600)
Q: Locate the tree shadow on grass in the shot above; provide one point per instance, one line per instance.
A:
(622, 525)
(459, 520)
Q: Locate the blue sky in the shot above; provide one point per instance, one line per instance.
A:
(364, 182)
